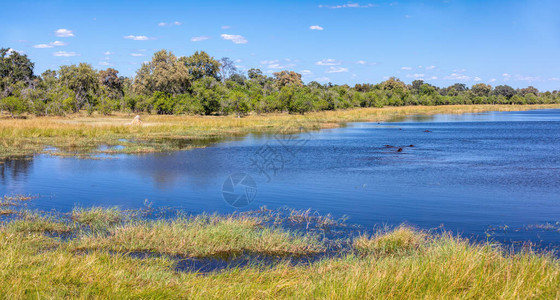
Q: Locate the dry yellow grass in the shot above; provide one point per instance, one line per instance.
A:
(80, 134)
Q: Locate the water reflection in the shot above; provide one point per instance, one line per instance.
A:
(14, 169)
(467, 172)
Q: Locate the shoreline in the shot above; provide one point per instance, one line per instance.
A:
(82, 136)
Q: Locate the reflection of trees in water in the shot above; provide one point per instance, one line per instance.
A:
(194, 168)
(14, 168)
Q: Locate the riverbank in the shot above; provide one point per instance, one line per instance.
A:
(83, 135)
(108, 253)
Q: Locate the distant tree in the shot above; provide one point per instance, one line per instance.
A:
(481, 89)
(415, 87)
(529, 90)
(164, 73)
(112, 82)
(504, 90)
(285, 78)
(227, 68)
(363, 87)
(394, 87)
(83, 80)
(14, 67)
(200, 65)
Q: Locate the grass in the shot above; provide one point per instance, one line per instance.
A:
(97, 218)
(402, 263)
(82, 135)
(203, 236)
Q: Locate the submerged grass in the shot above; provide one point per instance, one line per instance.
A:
(402, 263)
(80, 134)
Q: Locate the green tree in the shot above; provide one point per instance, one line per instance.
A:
(481, 89)
(164, 73)
(200, 65)
(83, 80)
(14, 67)
(504, 90)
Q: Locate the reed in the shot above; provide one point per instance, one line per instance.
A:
(402, 263)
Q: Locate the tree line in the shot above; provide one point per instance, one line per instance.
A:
(202, 85)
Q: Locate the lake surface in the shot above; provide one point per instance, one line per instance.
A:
(474, 174)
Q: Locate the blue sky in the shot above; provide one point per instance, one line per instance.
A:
(443, 42)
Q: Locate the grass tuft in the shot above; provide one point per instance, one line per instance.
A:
(97, 217)
(401, 240)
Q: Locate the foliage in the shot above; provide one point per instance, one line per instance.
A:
(200, 84)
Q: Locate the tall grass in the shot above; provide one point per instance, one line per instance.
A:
(402, 263)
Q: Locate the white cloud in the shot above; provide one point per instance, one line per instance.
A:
(527, 78)
(276, 64)
(163, 24)
(237, 39)
(430, 67)
(64, 33)
(136, 37)
(306, 72)
(434, 77)
(136, 54)
(65, 54)
(459, 70)
(43, 46)
(477, 79)
(365, 63)
(493, 79)
(108, 53)
(457, 76)
(226, 27)
(328, 62)
(406, 68)
(348, 5)
(104, 63)
(415, 76)
(337, 70)
(199, 38)
(322, 79)
(268, 62)
(12, 50)
(315, 27)
(50, 45)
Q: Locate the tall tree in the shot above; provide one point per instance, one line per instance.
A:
(14, 67)
(481, 89)
(164, 73)
(227, 68)
(285, 78)
(112, 82)
(200, 64)
(83, 80)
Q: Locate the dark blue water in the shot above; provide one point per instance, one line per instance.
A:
(474, 174)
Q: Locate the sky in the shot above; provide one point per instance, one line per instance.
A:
(514, 42)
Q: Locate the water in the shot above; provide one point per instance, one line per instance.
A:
(494, 173)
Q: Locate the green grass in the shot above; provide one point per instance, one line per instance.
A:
(402, 263)
(97, 218)
(203, 236)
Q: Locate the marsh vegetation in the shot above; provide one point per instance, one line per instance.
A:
(95, 253)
